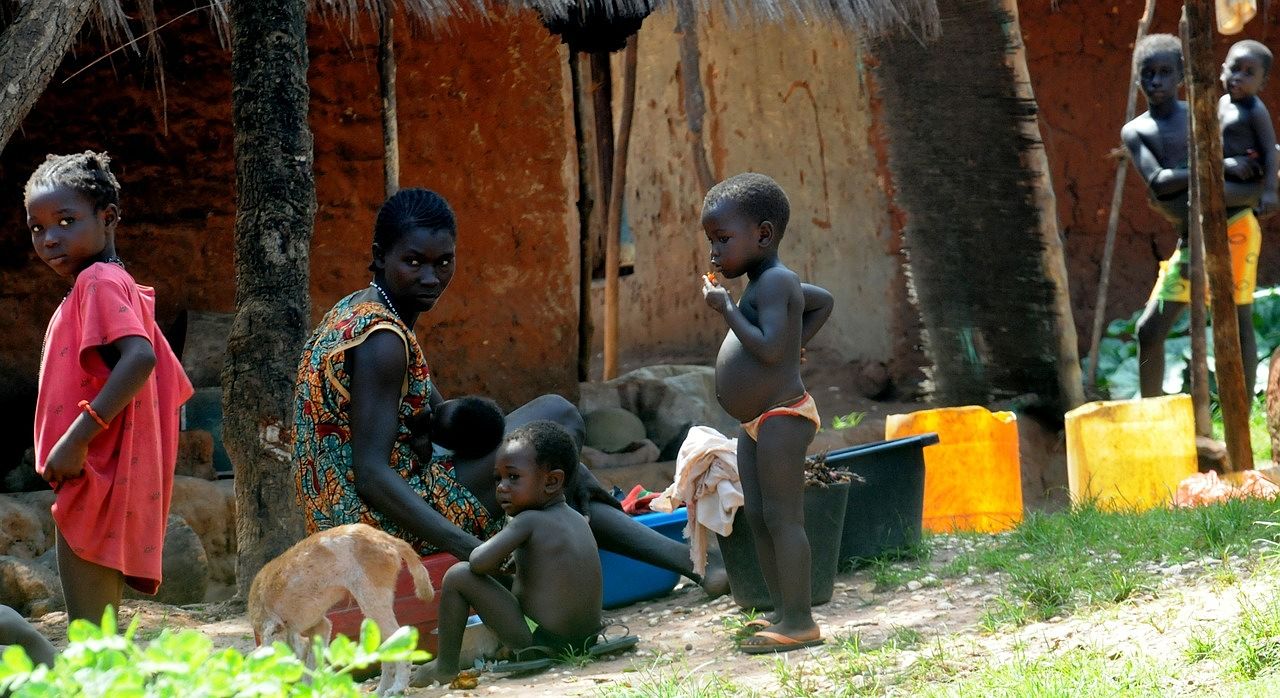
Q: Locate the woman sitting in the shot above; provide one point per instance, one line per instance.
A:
(363, 380)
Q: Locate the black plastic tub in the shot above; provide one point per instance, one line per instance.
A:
(824, 513)
(884, 513)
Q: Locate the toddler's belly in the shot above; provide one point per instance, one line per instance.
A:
(746, 388)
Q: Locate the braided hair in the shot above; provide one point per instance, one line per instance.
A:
(88, 173)
(409, 209)
(756, 195)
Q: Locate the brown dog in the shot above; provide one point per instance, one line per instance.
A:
(291, 594)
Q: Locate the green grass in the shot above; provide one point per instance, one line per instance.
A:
(1074, 672)
(1259, 437)
(1057, 563)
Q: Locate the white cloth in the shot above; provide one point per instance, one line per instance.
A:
(706, 481)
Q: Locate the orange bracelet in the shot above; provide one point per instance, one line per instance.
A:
(84, 405)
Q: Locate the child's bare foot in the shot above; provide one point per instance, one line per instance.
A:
(715, 580)
(431, 673)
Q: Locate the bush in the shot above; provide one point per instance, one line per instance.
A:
(100, 662)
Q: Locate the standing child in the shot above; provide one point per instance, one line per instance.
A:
(758, 383)
(106, 426)
(1248, 137)
(558, 583)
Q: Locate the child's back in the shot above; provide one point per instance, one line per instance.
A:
(560, 553)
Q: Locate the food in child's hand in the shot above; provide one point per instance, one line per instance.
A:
(711, 276)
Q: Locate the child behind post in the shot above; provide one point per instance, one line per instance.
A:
(758, 382)
(557, 567)
(1248, 136)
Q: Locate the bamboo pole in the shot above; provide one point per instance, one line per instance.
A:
(1113, 220)
(387, 84)
(617, 191)
(588, 186)
(1206, 141)
(695, 104)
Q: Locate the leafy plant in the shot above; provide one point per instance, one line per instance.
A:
(1118, 350)
(99, 661)
(848, 421)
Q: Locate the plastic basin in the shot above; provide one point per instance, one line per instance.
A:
(627, 581)
(884, 513)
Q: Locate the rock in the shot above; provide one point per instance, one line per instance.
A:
(667, 398)
(185, 570)
(914, 585)
(613, 429)
(209, 508)
(871, 378)
(195, 454)
(30, 588)
(23, 477)
(22, 534)
(644, 451)
(41, 504)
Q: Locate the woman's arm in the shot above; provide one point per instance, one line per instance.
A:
(131, 360)
(377, 369)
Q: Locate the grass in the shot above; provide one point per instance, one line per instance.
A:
(1075, 672)
(1055, 564)
(1259, 437)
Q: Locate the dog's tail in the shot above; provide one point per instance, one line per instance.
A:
(421, 580)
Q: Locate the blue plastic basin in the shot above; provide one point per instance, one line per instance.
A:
(627, 581)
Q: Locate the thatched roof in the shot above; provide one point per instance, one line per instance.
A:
(866, 17)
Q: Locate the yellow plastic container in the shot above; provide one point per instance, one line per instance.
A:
(1130, 454)
(973, 477)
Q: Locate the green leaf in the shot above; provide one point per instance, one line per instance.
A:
(370, 636)
(15, 661)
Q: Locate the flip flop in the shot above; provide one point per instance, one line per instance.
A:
(756, 624)
(540, 659)
(777, 643)
(606, 645)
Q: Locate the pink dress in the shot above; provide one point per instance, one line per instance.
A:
(115, 514)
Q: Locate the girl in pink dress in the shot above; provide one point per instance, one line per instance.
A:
(106, 425)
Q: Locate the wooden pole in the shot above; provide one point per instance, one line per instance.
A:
(1199, 323)
(1206, 141)
(387, 84)
(617, 191)
(1113, 220)
(695, 104)
(588, 186)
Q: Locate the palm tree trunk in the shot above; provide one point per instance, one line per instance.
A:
(981, 236)
(275, 208)
(31, 48)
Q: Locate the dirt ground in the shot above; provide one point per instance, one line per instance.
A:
(685, 633)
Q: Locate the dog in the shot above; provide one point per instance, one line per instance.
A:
(290, 596)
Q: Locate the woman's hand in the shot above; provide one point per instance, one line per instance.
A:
(717, 296)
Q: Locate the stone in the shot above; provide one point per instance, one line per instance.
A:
(22, 534)
(195, 454)
(666, 398)
(30, 588)
(209, 508)
(41, 504)
(871, 378)
(613, 429)
(185, 569)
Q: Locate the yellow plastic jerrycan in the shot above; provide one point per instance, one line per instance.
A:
(1130, 454)
(973, 477)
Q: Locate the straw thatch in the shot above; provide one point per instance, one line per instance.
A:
(868, 17)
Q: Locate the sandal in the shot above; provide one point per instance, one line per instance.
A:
(767, 642)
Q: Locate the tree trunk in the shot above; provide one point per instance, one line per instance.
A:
(602, 110)
(1206, 140)
(981, 235)
(275, 207)
(31, 48)
(387, 83)
(695, 103)
(617, 195)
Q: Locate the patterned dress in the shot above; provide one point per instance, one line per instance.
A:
(322, 432)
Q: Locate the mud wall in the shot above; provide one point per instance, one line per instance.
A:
(788, 101)
(1079, 57)
(482, 120)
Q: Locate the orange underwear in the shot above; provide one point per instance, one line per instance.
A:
(804, 407)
